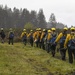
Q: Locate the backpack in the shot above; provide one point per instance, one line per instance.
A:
(2, 34)
(24, 36)
(11, 35)
(31, 36)
(52, 40)
(71, 44)
(62, 40)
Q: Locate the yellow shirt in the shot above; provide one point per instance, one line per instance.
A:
(30, 34)
(58, 37)
(23, 33)
(35, 35)
(49, 36)
(42, 35)
(69, 37)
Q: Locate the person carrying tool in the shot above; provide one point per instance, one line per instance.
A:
(70, 44)
(61, 39)
(24, 37)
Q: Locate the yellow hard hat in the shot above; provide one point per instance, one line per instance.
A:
(53, 28)
(24, 29)
(44, 29)
(10, 29)
(49, 31)
(1, 28)
(39, 28)
(72, 28)
(36, 29)
(31, 30)
(65, 28)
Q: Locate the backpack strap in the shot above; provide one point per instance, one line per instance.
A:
(73, 41)
(72, 36)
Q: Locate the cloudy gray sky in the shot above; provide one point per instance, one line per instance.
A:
(63, 9)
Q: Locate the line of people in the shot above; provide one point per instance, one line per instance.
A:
(49, 39)
(10, 36)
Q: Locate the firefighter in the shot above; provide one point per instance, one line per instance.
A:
(48, 38)
(42, 38)
(11, 36)
(61, 39)
(24, 37)
(38, 37)
(70, 44)
(2, 34)
(53, 38)
(35, 36)
(30, 36)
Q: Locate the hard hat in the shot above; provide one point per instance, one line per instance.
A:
(24, 29)
(49, 31)
(1, 28)
(31, 30)
(44, 29)
(72, 28)
(10, 29)
(65, 28)
(39, 28)
(53, 28)
(36, 29)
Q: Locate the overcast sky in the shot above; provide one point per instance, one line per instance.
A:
(63, 9)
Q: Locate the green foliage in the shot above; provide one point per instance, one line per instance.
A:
(29, 25)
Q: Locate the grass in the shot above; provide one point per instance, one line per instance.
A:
(18, 59)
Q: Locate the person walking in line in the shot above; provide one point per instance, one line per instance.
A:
(53, 38)
(42, 39)
(61, 39)
(24, 37)
(11, 36)
(70, 44)
(35, 36)
(30, 36)
(2, 34)
(48, 38)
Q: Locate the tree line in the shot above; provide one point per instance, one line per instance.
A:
(18, 18)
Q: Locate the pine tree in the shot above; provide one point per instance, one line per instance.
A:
(41, 19)
(52, 20)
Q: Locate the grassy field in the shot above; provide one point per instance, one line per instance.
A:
(18, 59)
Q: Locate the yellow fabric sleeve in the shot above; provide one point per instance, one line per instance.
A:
(23, 34)
(28, 34)
(58, 37)
(42, 35)
(49, 36)
(67, 39)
